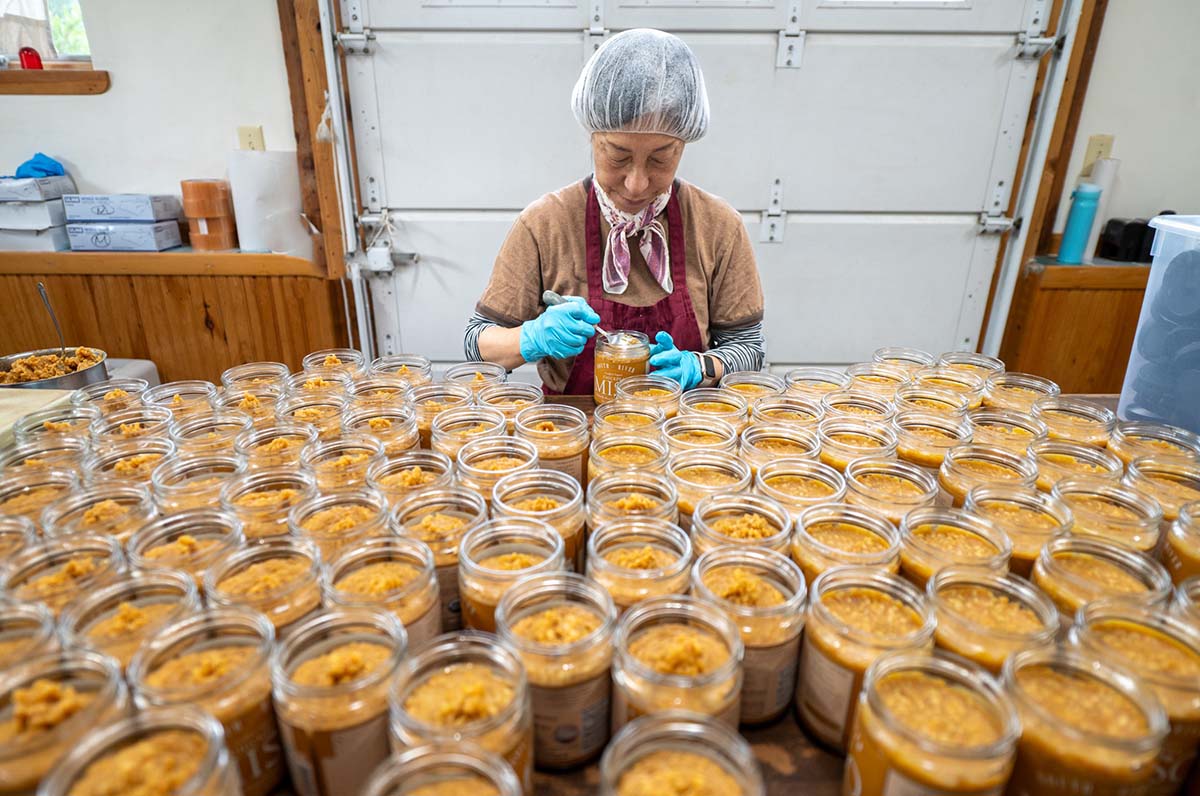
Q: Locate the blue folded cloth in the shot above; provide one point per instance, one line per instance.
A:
(40, 165)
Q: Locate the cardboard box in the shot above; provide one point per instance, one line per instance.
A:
(35, 189)
(32, 215)
(134, 237)
(53, 239)
(121, 207)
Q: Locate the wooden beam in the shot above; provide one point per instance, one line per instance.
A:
(53, 81)
(169, 263)
(1095, 277)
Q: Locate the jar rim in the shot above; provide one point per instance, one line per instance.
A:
(853, 425)
(51, 549)
(959, 519)
(1069, 410)
(245, 442)
(1090, 454)
(90, 392)
(1148, 571)
(712, 395)
(537, 480)
(869, 577)
(1023, 466)
(371, 551)
(484, 448)
(459, 497)
(891, 354)
(447, 420)
(364, 496)
(491, 370)
(1109, 609)
(1012, 587)
(402, 768)
(158, 418)
(320, 634)
(810, 468)
(1025, 497)
(746, 502)
(1148, 508)
(782, 569)
(712, 424)
(983, 361)
(622, 530)
(897, 469)
(265, 550)
(815, 374)
(573, 419)
(684, 610)
(92, 605)
(717, 459)
(133, 495)
(958, 402)
(548, 589)
(440, 390)
(166, 391)
(499, 532)
(649, 381)
(680, 730)
(864, 517)
(1141, 429)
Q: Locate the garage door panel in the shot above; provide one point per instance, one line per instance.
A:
(914, 15)
(475, 14)
(684, 15)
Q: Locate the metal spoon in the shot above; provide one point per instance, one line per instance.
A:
(550, 298)
(62, 344)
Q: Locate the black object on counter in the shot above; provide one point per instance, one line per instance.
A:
(1122, 240)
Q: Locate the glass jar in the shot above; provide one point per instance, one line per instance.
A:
(855, 614)
(1185, 602)
(1017, 392)
(658, 392)
(1076, 571)
(698, 474)
(550, 497)
(111, 395)
(677, 653)
(786, 410)
(131, 461)
(448, 766)
(857, 402)
(402, 475)
(620, 354)
(1107, 510)
(740, 520)
(1181, 551)
(845, 439)
(440, 518)
(1134, 439)
(930, 400)
(1173, 482)
(394, 426)
(669, 745)
(219, 660)
(341, 464)
(275, 446)
(693, 432)
(1028, 517)
(257, 403)
(52, 703)
(47, 450)
(752, 384)
(115, 509)
(347, 360)
(763, 594)
(561, 625)
(477, 376)
(434, 699)
(276, 577)
(835, 534)
(1075, 420)
(58, 571)
(415, 371)
(27, 494)
(16, 534)
(968, 466)
(208, 432)
(637, 559)
(330, 682)
(986, 616)
(377, 392)
(708, 402)
(1059, 693)
(454, 428)
(255, 375)
(1164, 654)
(903, 357)
(318, 383)
(497, 554)
(261, 499)
(560, 434)
(322, 411)
(393, 574)
(924, 438)
(933, 538)
(878, 378)
(430, 400)
(188, 541)
(814, 382)
(959, 380)
(897, 746)
(57, 421)
(192, 482)
(1057, 459)
(183, 398)
(118, 618)
(510, 398)
(892, 488)
(761, 444)
(631, 495)
(980, 364)
(620, 452)
(1012, 431)
(626, 417)
(141, 424)
(27, 631)
(797, 484)
(483, 462)
(339, 521)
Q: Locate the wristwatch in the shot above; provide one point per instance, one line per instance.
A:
(708, 364)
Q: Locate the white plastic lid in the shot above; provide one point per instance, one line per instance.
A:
(1188, 226)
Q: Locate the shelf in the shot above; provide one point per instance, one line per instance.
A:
(169, 263)
(53, 81)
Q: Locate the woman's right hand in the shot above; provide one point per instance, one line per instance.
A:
(561, 331)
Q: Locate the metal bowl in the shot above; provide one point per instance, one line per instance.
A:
(70, 381)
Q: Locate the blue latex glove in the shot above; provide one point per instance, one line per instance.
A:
(559, 332)
(40, 166)
(669, 361)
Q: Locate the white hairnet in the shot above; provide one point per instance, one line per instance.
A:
(643, 81)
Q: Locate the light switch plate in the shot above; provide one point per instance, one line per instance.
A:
(1098, 146)
(251, 137)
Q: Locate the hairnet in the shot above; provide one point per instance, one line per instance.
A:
(643, 81)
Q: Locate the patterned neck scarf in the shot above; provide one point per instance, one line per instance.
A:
(652, 241)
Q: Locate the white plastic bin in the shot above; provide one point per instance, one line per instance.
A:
(1162, 382)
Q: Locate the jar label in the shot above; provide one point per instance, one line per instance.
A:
(825, 693)
(253, 738)
(571, 723)
(570, 465)
(769, 680)
(326, 763)
(425, 628)
(896, 784)
(447, 578)
(625, 711)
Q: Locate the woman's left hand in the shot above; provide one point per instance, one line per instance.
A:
(669, 361)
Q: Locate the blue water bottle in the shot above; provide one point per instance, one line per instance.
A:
(1079, 223)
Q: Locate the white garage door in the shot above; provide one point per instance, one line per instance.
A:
(869, 135)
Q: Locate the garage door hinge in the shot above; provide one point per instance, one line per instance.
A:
(790, 50)
(774, 218)
(595, 33)
(355, 43)
(995, 225)
(1034, 47)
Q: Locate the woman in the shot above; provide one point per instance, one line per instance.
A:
(632, 245)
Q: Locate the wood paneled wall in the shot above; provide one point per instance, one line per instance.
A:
(192, 327)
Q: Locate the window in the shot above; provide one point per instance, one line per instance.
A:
(52, 27)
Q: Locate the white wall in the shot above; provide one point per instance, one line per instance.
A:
(184, 75)
(1144, 90)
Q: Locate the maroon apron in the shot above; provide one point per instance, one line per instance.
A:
(673, 314)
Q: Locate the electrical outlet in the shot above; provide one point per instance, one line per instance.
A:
(1098, 146)
(251, 137)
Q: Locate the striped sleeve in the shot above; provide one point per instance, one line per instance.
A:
(739, 349)
(475, 326)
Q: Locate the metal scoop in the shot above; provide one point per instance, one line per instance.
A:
(62, 344)
(550, 298)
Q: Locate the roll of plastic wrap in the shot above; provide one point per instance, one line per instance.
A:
(213, 241)
(206, 198)
(1104, 174)
(266, 202)
(218, 225)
